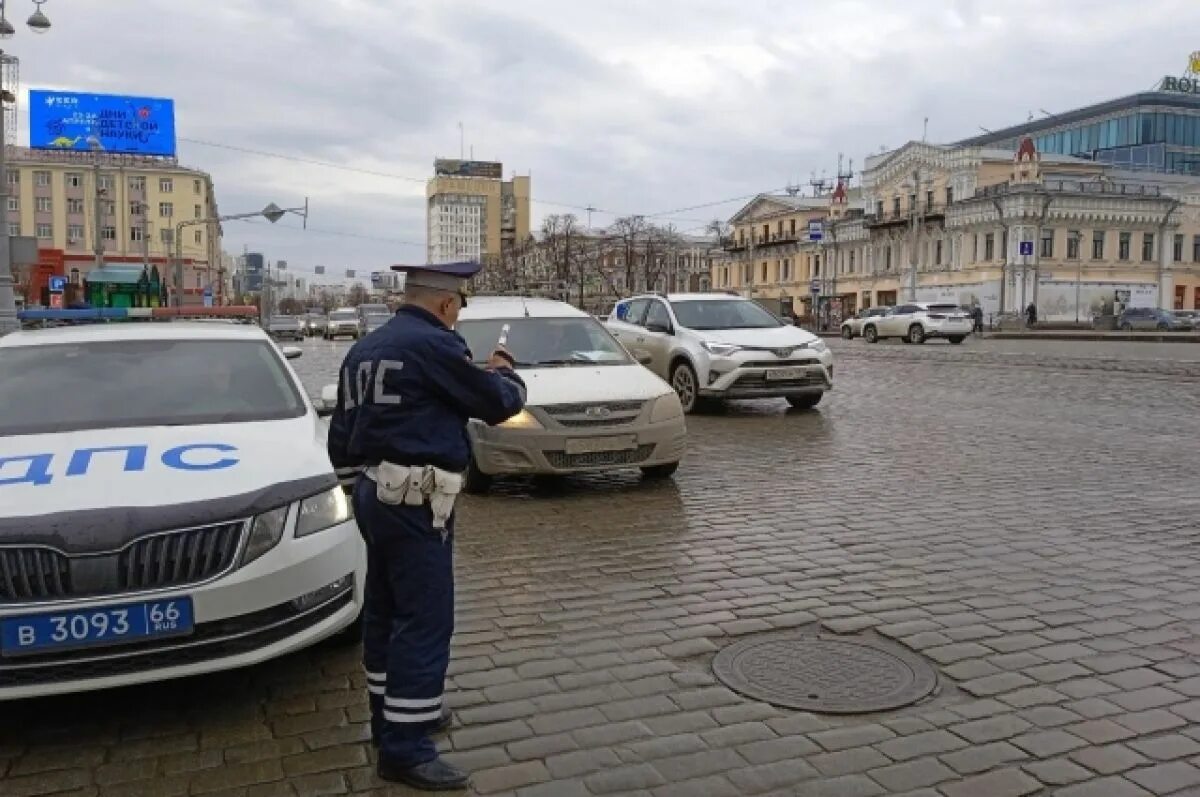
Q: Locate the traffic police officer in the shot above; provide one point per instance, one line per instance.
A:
(405, 394)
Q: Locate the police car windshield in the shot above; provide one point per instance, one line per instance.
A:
(545, 342)
(113, 384)
(723, 314)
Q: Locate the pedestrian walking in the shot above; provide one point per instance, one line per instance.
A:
(405, 394)
(1031, 314)
(977, 314)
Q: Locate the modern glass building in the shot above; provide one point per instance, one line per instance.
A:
(1154, 131)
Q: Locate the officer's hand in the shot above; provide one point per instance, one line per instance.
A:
(501, 358)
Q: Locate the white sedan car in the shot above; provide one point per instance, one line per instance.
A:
(167, 508)
(590, 407)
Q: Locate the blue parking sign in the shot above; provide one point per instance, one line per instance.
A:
(1026, 248)
(58, 284)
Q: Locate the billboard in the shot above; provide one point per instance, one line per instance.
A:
(457, 168)
(68, 120)
(254, 272)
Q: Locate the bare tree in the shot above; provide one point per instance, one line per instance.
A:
(719, 230)
(629, 230)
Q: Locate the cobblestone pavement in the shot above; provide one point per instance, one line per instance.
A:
(1026, 521)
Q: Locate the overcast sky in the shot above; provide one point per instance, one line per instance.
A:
(629, 106)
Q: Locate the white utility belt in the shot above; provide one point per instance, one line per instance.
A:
(413, 486)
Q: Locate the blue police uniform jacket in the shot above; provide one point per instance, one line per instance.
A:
(406, 392)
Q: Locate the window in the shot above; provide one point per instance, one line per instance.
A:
(166, 185)
(106, 182)
(14, 177)
(793, 227)
(166, 210)
(110, 207)
(949, 195)
(1177, 249)
(896, 206)
(135, 234)
(786, 273)
(74, 180)
(636, 312)
(45, 204)
(74, 206)
(764, 272)
(1047, 244)
(41, 179)
(1147, 246)
(852, 261)
(989, 246)
(879, 209)
(136, 208)
(137, 183)
(1073, 239)
(199, 236)
(887, 258)
(108, 233)
(45, 231)
(195, 186)
(912, 203)
(1097, 244)
(14, 203)
(14, 228)
(1123, 244)
(166, 236)
(929, 200)
(1196, 248)
(74, 232)
(198, 212)
(658, 314)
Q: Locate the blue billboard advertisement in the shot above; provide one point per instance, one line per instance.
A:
(69, 120)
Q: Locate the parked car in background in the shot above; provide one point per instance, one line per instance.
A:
(852, 327)
(373, 321)
(590, 406)
(918, 322)
(1151, 318)
(206, 527)
(714, 347)
(367, 310)
(343, 322)
(286, 327)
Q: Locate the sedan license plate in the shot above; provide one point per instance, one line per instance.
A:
(106, 625)
(785, 373)
(593, 445)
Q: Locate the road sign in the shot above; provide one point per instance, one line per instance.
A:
(816, 230)
(56, 301)
(208, 297)
(1025, 248)
(815, 286)
(58, 284)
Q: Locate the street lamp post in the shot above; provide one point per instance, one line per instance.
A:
(271, 213)
(38, 22)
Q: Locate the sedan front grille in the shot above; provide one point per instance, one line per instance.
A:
(28, 574)
(179, 557)
(596, 414)
(561, 459)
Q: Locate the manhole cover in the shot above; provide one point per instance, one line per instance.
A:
(824, 674)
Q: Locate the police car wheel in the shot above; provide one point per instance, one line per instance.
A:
(660, 471)
(476, 482)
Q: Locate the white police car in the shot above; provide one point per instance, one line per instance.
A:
(167, 508)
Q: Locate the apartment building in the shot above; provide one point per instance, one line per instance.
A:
(472, 212)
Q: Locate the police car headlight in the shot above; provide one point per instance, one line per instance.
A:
(265, 533)
(322, 511)
(522, 420)
(666, 408)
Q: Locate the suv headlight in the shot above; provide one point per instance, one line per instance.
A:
(322, 511)
(666, 407)
(817, 345)
(720, 349)
(265, 533)
(522, 420)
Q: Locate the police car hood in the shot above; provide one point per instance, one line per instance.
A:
(95, 490)
(579, 383)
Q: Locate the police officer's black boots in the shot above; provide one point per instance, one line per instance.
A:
(435, 775)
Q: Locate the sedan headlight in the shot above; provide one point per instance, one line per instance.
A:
(322, 511)
(665, 408)
(720, 349)
(265, 533)
(522, 420)
(817, 345)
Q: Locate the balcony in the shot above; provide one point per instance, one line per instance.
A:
(897, 218)
(1103, 187)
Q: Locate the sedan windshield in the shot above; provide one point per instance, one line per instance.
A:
(68, 387)
(545, 342)
(723, 314)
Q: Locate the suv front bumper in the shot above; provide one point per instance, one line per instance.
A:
(752, 382)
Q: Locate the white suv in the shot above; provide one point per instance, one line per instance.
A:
(712, 346)
(919, 321)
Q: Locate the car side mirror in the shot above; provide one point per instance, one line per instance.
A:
(328, 401)
(292, 352)
(655, 326)
(644, 358)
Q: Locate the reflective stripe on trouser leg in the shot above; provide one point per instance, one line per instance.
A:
(421, 581)
(377, 607)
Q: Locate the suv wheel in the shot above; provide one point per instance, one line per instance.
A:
(916, 334)
(684, 383)
(956, 339)
(870, 334)
(476, 482)
(847, 333)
